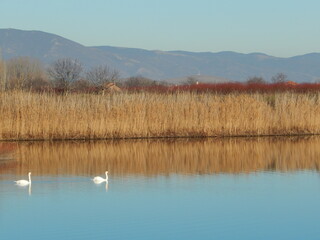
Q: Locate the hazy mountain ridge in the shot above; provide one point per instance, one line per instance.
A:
(157, 64)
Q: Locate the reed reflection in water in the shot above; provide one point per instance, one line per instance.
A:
(208, 194)
(164, 157)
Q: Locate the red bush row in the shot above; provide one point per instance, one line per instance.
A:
(225, 88)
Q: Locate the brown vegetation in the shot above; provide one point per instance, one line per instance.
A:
(27, 115)
(67, 106)
(153, 157)
(7, 151)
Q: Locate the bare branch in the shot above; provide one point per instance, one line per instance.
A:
(65, 71)
(102, 74)
(22, 72)
(279, 78)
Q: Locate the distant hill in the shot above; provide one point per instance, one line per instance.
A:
(159, 65)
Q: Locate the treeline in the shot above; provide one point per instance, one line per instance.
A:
(278, 78)
(25, 73)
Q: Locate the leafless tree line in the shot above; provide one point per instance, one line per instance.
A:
(64, 74)
(67, 74)
(278, 78)
(28, 73)
(21, 73)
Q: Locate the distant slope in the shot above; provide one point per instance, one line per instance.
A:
(158, 65)
(48, 47)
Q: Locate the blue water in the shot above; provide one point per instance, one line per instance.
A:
(264, 205)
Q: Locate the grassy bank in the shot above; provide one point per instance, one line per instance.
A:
(26, 115)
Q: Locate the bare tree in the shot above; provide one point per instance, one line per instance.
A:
(191, 80)
(24, 72)
(255, 79)
(279, 78)
(65, 71)
(102, 74)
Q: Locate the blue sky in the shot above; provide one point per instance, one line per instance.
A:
(280, 28)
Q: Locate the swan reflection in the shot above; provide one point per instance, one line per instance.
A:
(100, 183)
(25, 186)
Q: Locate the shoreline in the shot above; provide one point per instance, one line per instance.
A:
(161, 138)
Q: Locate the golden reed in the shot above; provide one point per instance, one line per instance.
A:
(26, 115)
(163, 157)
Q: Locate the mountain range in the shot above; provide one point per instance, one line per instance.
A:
(156, 64)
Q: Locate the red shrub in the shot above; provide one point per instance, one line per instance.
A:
(225, 88)
(222, 88)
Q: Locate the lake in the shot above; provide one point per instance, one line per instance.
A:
(230, 188)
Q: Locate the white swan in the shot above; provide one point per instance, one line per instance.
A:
(100, 179)
(24, 182)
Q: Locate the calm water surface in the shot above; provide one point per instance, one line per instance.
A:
(200, 189)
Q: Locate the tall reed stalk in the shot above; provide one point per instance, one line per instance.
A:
(26, 115)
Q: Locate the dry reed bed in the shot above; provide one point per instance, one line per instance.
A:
(154, 157)
(26, 115)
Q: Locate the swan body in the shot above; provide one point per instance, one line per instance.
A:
(100, 179)
(24, 182)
